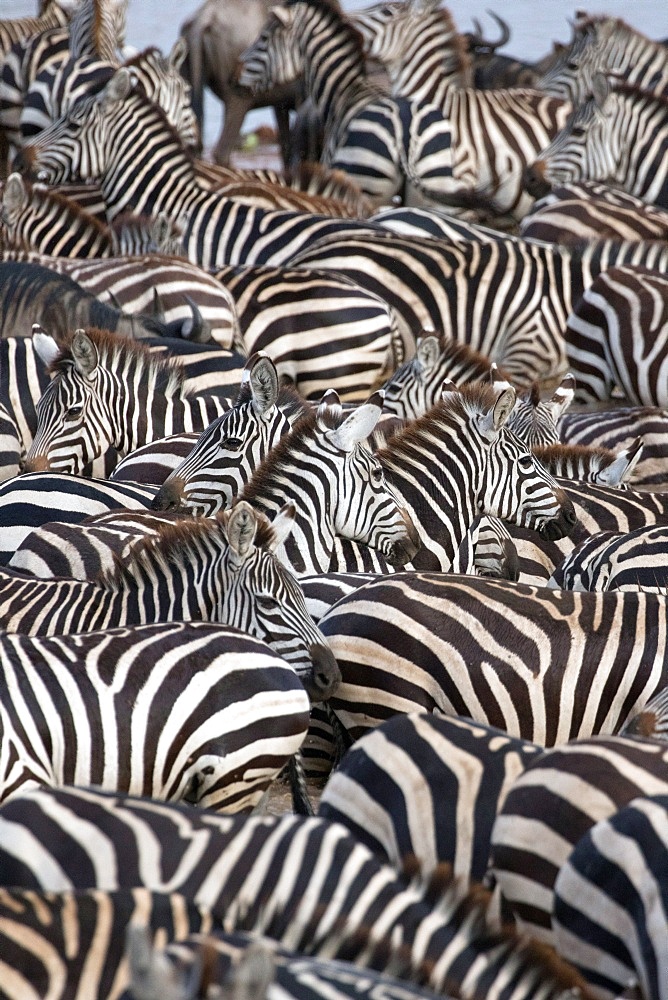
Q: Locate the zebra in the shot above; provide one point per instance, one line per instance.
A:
(223, 457)
(509, 299)
(303, 882)
(620, 864)
(338, 486)
(218, 716)
(617, 428)
(323, 331)
(587, 210)
(53, 15)
(615, 337)
(609, 560)
(211, 221)
(245, 967)
(383, 143)
(543, 665)
(496, 133)
(427, 787)
(108, 392)
(219, 569)
(73, 944)
(557, 800)
(57, 88)
(607, 45)
(620, 136)
(33, 499)
(584, 464)
(479, 466)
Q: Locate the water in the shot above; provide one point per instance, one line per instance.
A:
(534, 25)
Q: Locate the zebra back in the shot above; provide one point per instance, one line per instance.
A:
(608, 560)
(617, 428)
(502, 654)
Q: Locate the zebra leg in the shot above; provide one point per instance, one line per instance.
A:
(301, 803)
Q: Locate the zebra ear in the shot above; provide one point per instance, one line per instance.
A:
(492, 420)
(152, 974)
(600, 88)
(253, 974)
(84, 353)
(328, 407)
(359, 424)
(118, 87)
(563, 397)
(179, 52)
(282, 14)
(241, 528)
(621, 470)
(263, 379)
(428, 351)
(282, 525)
(14, 196)
(45, 346)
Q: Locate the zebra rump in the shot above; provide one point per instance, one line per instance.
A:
(178, 711)
(608, 560)
(619, 938)
(426, 788)
(557, 800)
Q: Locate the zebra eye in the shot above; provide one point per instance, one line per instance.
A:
(377, 475)
(232, 444)
(526, 462)
(578, 131)
(266, 603)
(75, 411)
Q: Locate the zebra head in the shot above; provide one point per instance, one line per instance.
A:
(104, 388)
(592, 49)
(164, 84)
(511, 484)
(229, 450)
(327, 469)
(416, 386)
(533, 419)
(260, 596)
(589, 147)
(276, 55)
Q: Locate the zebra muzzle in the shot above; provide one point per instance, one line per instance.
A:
(562, 525)
(404, 549)
(534, 180)
(325, 676)
(169, 496)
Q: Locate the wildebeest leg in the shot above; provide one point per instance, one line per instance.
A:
(237, 106)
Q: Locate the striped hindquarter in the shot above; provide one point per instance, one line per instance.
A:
(544, 665)
(619, 865)
(34, 499)
(624, 561)
(72, 945)
(306, 883)
(179, 711)
(554, 804)
(615, 337)
(429, 788)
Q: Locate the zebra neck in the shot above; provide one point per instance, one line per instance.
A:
(152, 415)
(337, 86)
(308, 549)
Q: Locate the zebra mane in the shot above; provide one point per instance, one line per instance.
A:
(595, 457)
(174, 543)
(39, 196)
(302, 430)
(460, 60)
(633, 90)
(116, 352)
(587, 22)
(471, 398)
(465, 908)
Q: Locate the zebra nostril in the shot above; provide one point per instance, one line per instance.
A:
(168, 496)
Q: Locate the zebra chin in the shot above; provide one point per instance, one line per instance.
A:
(400, 551)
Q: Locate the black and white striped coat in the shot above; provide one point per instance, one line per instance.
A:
(305, 883)
(220, 570)
(620, 863)
(544, 665)
(178, 711)
(609, 560)
(557, 800)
